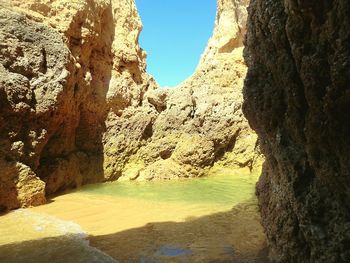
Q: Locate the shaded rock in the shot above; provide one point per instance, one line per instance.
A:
(296, 99)
(35, 90)
(19, 186)
(68, 70)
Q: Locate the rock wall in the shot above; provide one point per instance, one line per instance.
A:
(77, 105)
(297, 99)
(65, 68)
(198, 128)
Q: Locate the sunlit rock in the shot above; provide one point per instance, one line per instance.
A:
(77, 105)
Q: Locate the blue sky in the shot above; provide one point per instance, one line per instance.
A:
(175, 34)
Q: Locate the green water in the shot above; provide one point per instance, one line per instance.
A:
(219, 190)
(211, 219)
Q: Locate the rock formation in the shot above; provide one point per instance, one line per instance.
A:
(198, 127)
(297, 99)
(68, 69)
(77, 105)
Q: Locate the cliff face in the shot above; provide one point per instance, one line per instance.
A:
(297, 98)
(64, 70)
(198, 128)
(77, 105)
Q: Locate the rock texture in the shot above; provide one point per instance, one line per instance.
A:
(68, 69)
(77, 105)
(198, 128)
(297, 98)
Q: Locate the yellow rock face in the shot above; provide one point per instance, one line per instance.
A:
(68, 69)
(199, 128)
(80, 108)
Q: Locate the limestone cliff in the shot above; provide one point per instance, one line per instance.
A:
(198, 127)
(77, 105)
(65, 68)
(297, 98)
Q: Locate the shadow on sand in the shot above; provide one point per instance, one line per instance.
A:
(232, 236)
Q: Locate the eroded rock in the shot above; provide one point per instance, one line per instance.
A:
(35, 90)
(297, 98)
(199, 124)
(65, 68)
(77, 105)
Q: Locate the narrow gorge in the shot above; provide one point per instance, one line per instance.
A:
(82, 109)
(77, 107)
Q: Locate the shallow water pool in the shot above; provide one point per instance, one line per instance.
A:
(211, 219)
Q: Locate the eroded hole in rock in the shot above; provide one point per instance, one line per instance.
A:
(44, 61)
(166, 154)
(148, 131)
